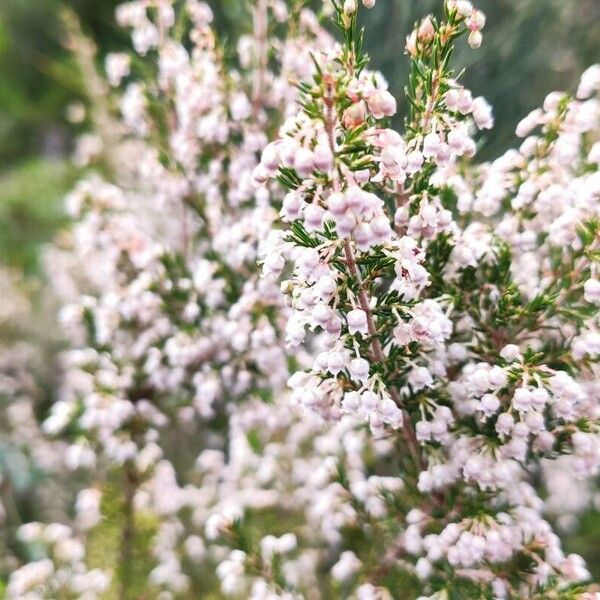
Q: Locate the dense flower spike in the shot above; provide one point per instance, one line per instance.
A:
(365, 414)
(431, 325)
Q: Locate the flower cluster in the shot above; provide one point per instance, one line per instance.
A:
(456, 303)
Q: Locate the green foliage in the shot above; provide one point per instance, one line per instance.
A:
(584, 540)
(30, 209)
(104, 544)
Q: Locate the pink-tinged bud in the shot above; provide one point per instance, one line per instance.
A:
(351, 401)
(326, 287)
(350, 7)
(389, 137)
(368, 3)
(363, 236)
(411, 44)
(355, 115)
(475, 38)
(287, 152)
(529, 123)
(476, 21)
(431, 145)
(313, 217)
(344, 224)
(401, 215)
(464, 8)
(552, 101)
(589, 82)
(442, 156)
(452, 99)
(369, 400)
(414, 161)
(291, 206)
(355, 198)
(270, 157)
(381, 228)
(334, 326)
(336, 203)
(323, 158)
(482, 113)
(117, 67)
(465, 102)
(426, 31)
(321, 314)
(382, 104)
(304, 162)
(359, 369)
(364, 175)
(260, 175)
(336, 362)
(456, 138)
(274, 264)
(591, 291)
(357, 322)
(469, 147)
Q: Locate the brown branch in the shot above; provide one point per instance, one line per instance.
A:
(408, 430)
(130, 483)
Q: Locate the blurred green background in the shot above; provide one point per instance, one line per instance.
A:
(530, 48)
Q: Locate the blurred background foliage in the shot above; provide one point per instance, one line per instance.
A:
(530, 48)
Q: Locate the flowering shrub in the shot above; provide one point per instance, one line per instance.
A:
(411, 265)
(434, 319)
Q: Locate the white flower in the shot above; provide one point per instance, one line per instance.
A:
(357, 322)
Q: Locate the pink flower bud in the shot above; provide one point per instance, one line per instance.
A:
(270, 157)
(431, 144)
(291, 206)
(381, 227)
(369, 400)
(426, 31)
(476, 21)
(355, 198)
(304, 162)
(336, 203)
(382, 104)
(414, 161)
(357, 322)
(359, 369)
(323, 158)
(465, 102)
(274, 264)
(313, 217)
(321, 314)
(354, 115)
(482, 113)
(287, 152)
(363, 176)
(260, 175)
(452, 97)
(350, 7)
(591, 291)
(411, 44)
(464, 8)
(474, 40)
(344, 224)
(351, 402)
(363, 236)
(336, 362)
(334, 326)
